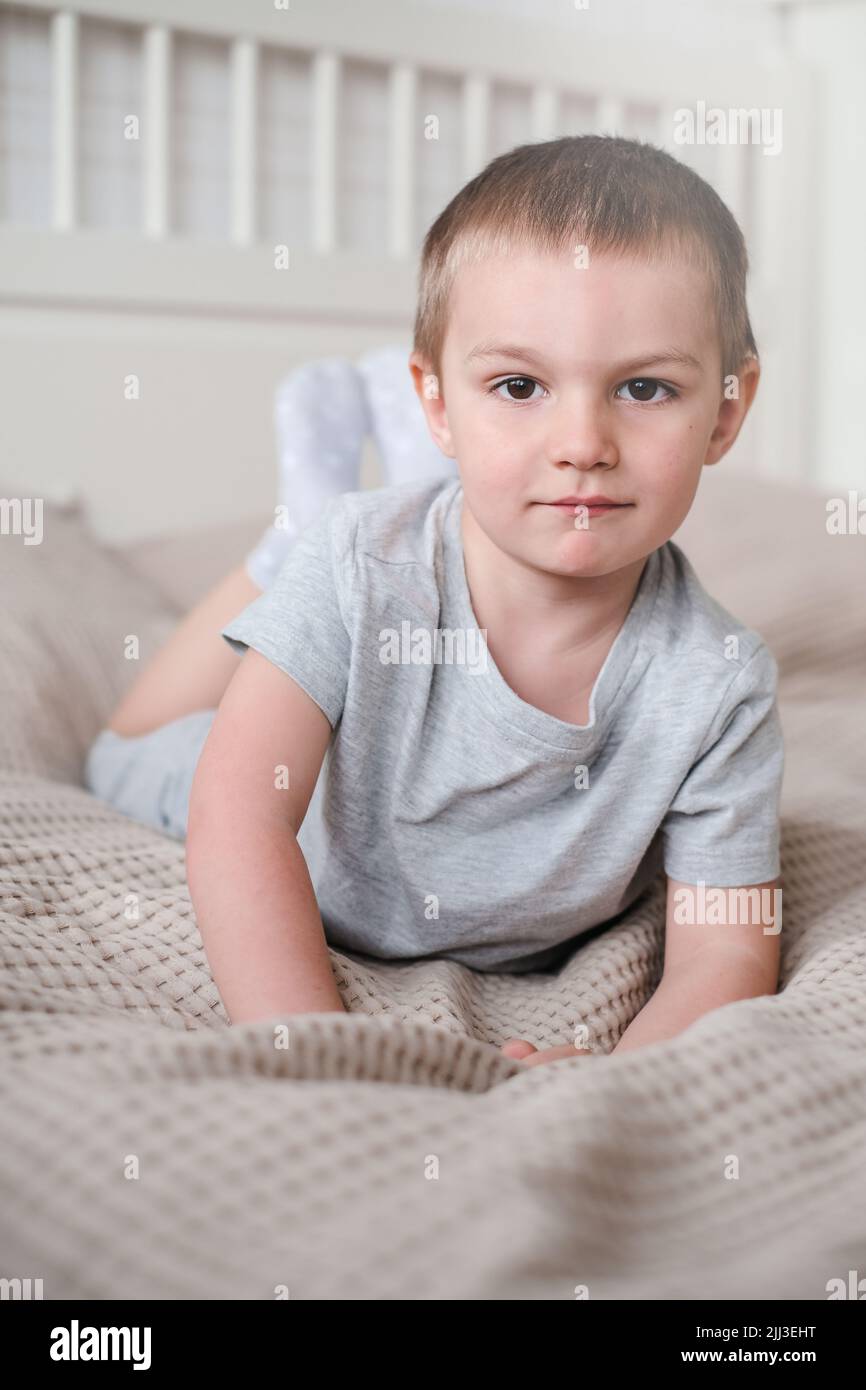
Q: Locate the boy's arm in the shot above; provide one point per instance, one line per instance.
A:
(249, 882)
(717, 949)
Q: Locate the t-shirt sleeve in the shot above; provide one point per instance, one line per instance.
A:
(723, 825)
(300, 622)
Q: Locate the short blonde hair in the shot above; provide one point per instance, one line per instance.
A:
(599, 191)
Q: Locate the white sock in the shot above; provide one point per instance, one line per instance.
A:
(321, 420)
(399, 428)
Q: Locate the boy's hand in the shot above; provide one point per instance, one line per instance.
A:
(524, 1052)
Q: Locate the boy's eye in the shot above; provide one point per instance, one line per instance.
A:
(643, 390)
(522, 386)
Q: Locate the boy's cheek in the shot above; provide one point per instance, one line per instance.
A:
(667, 473)
(488, 466)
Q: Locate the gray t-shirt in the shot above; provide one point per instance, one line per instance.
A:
(451, 817)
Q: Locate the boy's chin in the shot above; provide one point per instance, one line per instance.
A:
(585, 555)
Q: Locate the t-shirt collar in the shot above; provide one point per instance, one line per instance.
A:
(502, 705)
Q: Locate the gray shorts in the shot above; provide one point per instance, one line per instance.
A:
(149, 777)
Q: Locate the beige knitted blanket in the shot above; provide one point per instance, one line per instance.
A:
(149, 1150)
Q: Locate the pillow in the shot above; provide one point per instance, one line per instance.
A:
(761, 548)
(67, 606)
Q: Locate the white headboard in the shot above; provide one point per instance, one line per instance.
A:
(156, 154)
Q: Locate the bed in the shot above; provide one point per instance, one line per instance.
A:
(151, 1151)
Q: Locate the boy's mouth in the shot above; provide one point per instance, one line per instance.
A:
(594, 505)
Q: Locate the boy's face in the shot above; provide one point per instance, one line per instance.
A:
(595, 406)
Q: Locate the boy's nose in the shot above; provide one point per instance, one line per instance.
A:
(581, 434)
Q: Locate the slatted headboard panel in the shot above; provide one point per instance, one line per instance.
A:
(155, 155)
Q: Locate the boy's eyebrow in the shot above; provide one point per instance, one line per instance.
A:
(493, 349)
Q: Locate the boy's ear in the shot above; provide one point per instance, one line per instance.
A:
(426, 384)
(738, 393)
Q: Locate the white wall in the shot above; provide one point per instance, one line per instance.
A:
(832, 35)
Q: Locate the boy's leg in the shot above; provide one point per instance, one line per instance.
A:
(321, 419)
(192, 669)
(149, 776)
(144, 760)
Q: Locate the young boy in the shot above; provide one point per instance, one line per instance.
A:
(582, 350)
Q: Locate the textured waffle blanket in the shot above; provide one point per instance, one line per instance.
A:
(149, 1150)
